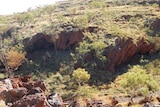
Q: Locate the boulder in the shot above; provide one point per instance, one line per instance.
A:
(55, 100)
(24, 81)
(15, 94)
(33, 100)
(21, 92)
(5, 86)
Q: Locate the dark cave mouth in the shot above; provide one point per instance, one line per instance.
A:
(41, 45)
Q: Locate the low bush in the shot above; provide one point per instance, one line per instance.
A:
(86, 91)
(135, 80)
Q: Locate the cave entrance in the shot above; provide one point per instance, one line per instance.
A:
(38, 49)
(42, 44)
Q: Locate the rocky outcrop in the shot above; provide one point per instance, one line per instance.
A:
(39, 41)
(21, 92)
(33, 100)
(5, 85)
(69, 40)
(124, 50)
(65, 40)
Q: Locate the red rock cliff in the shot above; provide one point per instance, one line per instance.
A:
(124, 50)
(64, 41)
(70, 39)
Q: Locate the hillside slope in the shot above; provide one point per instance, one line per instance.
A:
(112, 40)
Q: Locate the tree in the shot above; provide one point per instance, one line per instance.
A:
(98, 47)
(15, 59)
(11, 60)
(81, 76)
(82, 50)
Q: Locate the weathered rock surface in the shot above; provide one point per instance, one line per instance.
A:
(39, 41)
(64, 41)
(21, 92)
(69, 40)
(34, 100)
(15, 94)
(124, 50)
(55, 100)
(5, 85)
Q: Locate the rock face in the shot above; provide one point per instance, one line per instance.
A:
(69, 40)
(33, 100)
(39, 41)
(124, 50)
(64, 41)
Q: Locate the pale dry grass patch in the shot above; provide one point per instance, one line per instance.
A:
(2, 104)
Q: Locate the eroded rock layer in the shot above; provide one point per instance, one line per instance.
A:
(125, 49)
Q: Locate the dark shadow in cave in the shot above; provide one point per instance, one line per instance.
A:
(41, 44)
(42, 58)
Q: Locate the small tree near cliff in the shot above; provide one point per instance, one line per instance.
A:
(82, 50)
(81, 76)
(11, 53)
(11, 60)
(15, 59)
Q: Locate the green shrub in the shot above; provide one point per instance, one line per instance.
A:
(135, 79)
(99, 47)
(2, 75)
(81, 21)
(82, 50)
(143, 91)
(97, 4)
(86, 91)
(117, 31)
(155, 5)
(81, 75)
(54, 82)
(24, 17)
(156, 41)
(153, 67)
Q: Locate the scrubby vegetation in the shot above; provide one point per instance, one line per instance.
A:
(137, 82)
(81, 68)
